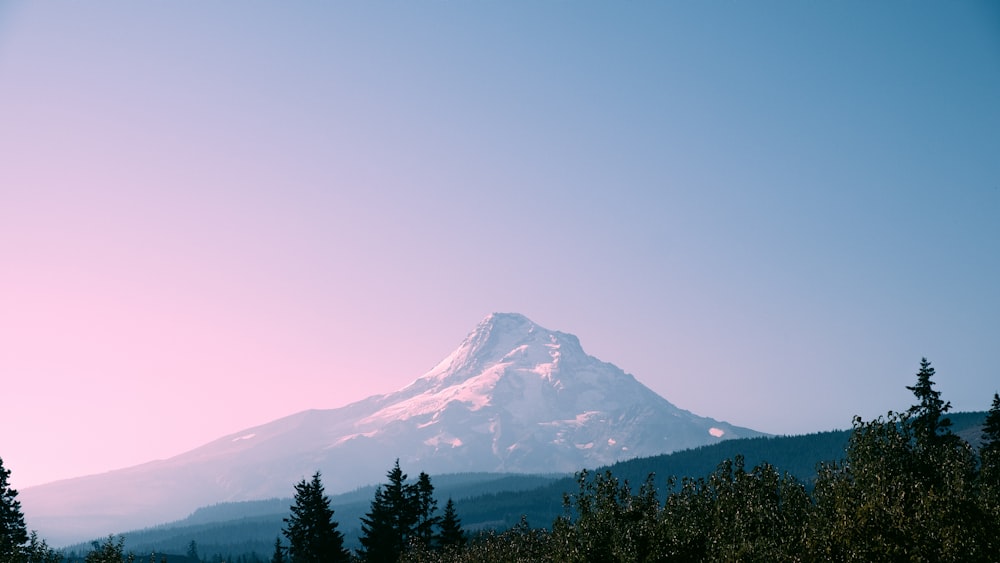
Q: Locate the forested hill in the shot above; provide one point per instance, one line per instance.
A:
(499, 500)
(797, 455)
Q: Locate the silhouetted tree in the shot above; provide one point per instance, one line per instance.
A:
(109, 550)
(451, 528)
(279, 552)
(926, 416)
(388, 526)
(311, 530)
(13, 533)
(424, 506)
(989, 472)
(38, 551)
(991, 426)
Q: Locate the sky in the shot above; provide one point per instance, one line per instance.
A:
(215, 214)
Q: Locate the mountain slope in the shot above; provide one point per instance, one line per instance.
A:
(513, 397)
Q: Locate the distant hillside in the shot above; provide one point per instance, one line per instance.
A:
(236, 528)
(497, 501)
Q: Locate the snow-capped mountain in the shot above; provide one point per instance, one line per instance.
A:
(514, 396)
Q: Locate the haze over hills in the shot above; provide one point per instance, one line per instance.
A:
(513, 397)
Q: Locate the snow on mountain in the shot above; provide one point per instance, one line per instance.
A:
(514, 396)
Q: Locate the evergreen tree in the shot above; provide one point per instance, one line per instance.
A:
(926, 416)
(109, 551)
(989, 472)
(311, 531)
(13, 533)
(192, 551)
(451, 527)
(39, 552)
(379, 541)
(279, 552)
(425, 506)
(991, 427)
(388, 527)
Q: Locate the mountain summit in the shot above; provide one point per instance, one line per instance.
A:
(514, 396)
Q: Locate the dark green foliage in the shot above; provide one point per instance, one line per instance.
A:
(13, 533)
(732, 515)
(109, 550)
(519, 544)
(991, 426)
(388, 526)
(425, 506)
(752, 516)
(279, 552)
(926, 416)
(894, 497)
(908, 489)
(604, 521)
(451, 534)
(402, 522)
(989, 473)
(39, 552)
(310, 529)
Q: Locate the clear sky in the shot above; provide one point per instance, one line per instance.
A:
(214, 214)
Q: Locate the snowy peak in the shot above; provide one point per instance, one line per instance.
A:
(526, 398)
(514, 396)
(502, 338)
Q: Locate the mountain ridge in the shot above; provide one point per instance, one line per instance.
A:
(513, 397)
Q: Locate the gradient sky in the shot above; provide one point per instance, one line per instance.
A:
(214, 214)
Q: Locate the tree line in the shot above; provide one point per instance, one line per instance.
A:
(907, 489)
(403, 517)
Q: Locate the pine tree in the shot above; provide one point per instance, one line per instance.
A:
(38, 551)
(989, 472)
(451, 527)
(425, 506)
(926, 416)
(109, 550)
(388, 527)
(13, 533)
(991, 427)
(279, 552)
(311, 530)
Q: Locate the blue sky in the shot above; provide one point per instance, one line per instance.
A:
(768, 212)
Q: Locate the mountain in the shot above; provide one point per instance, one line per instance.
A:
(513, 397)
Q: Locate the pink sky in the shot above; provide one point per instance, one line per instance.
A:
(214, 215)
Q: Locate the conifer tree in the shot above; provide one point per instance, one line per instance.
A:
(13, 533)
(311, 530)
(424, 506)
(110, 550)
(451, 527)
(388, 527)
(989, 472)
(926, 416)
(279, 552)
(38, 551)
(991, 427)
